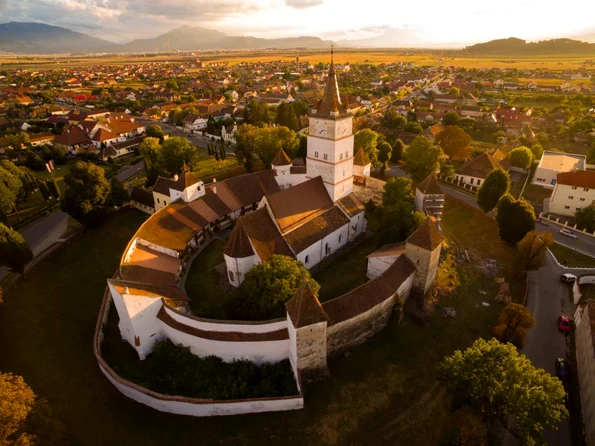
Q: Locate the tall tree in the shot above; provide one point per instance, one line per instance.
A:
(14, 250)
(87, 194)
(155, 131)
(150, 149)
(246, 146)
(118, 194)
(175, 152)
(44, 189)
(532, 249)
(268, 285)
(26, 419)
(585, 218)
(421, 158)
(367, 139)
(287, 117)
(413, 127)
(513, 324)
(257, 113)
(398, 149)
(53, 188)
(496, 184)
(450, 119)
(399, 221)
(455, 142)
(496, 379)
(521, 157)
(397, 190)
(515, 219)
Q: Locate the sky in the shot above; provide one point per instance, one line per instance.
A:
(401, 22)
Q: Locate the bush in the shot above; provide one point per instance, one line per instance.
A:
(174, 370)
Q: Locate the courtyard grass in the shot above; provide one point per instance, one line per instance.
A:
(536, 194)
(385, 392)
(573, 258)
(202, 283)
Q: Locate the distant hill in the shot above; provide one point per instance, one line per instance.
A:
(514, 46)
(196, 38)
(17, 37)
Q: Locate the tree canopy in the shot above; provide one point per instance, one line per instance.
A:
(257, 113)
(367, 140)
(399, 221)
(150, 149)
(502, 383)
(118, 194)
(585, 218)
(496, 184)
(421, 158)
(521, 157)
(398, 149)
(175, 152)
(14, 250)
(24, 418)
(155, 131)
(515, 219)
(87, 194)
(396, 190)
(264, 142)
(532, 249)
(514, 322)
(455, 142)
(287, 117)
(268, 285)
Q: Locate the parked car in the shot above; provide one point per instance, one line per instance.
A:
(568, 278)
(562, 370)
(564, 324)
(568, 233)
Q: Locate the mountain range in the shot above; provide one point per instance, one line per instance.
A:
(39, 38)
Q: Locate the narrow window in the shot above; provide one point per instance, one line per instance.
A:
(325, 156)
(340, 236)
(340, 156)
(307, 259)
(231, 276)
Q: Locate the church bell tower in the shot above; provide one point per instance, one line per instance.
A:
(330, 141)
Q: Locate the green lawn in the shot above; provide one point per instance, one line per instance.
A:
(574, 258)
(536, 194)
(385, 392)
(202, 283)
(517, 186)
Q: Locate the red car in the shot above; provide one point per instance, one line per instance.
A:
(564, 324)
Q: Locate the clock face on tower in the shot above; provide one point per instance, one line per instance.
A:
(320, 129)
(342, 130)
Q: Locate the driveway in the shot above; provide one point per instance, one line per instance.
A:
(123, 175)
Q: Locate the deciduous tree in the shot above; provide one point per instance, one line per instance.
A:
(532, 249)
(450, 119)
(513, 324)
(118, 194)
(155, 131)
(87, 194)
(397, 190)
(421, 158)
(384, 153)
(455, 142)
(413, 127)
(398, 221)
(175, 152)
(398, 149)
(515, 219)
(367, 140)
(268, 285)
(14, 250)
(585, 218)
(521, 157)
(496, 184)
(496, 379)
(150, 149)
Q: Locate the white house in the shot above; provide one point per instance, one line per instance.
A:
(227, 133)
(553, 163)
(193, 123)
(572, 191)
(475, 171)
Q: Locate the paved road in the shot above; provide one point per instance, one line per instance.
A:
(43, 233)
(548, 298)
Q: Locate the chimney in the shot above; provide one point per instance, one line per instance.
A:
(215, 186)
(126, 290)
(175, 177)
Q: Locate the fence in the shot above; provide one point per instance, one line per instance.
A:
(460, 184)
(556, 220)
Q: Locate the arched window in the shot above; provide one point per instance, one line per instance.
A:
(231, 276)
(307, 259)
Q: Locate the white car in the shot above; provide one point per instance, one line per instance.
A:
(568, 233)
(568, 278)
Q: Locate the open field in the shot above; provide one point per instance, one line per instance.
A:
(351, 55)
(47, 323)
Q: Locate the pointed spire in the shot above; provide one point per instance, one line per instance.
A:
(330, 105)
(185, 167)
(304, 307)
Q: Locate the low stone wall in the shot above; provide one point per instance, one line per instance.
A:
(561, 221)
(177, 404)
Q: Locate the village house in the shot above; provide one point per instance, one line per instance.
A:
(572, 191)
(475, 171)
(553, 163)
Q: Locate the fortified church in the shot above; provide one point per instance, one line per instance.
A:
(305, 212)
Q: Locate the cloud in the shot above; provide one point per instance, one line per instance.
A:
(303, 4)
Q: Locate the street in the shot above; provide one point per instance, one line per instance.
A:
(123, 175)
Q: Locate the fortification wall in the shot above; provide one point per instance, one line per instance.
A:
(182, 405)
(355, 331)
